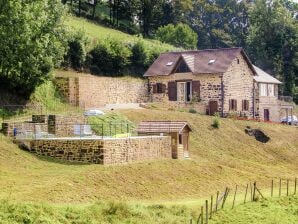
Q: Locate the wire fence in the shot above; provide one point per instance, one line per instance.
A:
(41, 131)
(250, 192)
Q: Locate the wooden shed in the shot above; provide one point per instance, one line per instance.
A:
(178, 130)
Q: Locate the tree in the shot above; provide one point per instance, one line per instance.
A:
(273, 41)
(180, 35)
(32, 43)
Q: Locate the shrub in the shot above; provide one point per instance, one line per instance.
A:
(193, 111)
(180, 35)
(216, 121)
(109, 56)
(139, 54)
(76, 53)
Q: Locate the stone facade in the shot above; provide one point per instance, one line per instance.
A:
(236, 83)
(104, 151)
(90, 91)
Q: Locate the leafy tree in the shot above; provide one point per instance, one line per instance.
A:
(273, 41)
(31, 34)
(109, 56)
(180, 35)
(139, 54)
(76, 52)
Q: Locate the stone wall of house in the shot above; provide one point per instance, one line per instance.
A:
(238, 84)
(105, 151)
(90, 91)
(210, 90)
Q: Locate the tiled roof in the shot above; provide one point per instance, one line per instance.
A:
(197, 61)
(264, 77)
(162, 126)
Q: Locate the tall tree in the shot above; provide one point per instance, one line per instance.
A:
(273, 41)
(31, 34)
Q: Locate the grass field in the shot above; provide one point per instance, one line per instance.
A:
(97, 32)
(274, 211)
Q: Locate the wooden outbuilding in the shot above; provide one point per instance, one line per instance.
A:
(178, 130)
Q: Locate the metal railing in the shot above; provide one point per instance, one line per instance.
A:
(288, 99)
(73, 131)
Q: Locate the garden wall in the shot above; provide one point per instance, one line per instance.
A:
(90, 91)
(105, 151)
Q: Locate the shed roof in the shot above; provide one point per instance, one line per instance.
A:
(197, 61)
(264, 77)
(162, 126)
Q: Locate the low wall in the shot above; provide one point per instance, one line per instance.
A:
(91, 91)
(104, 151)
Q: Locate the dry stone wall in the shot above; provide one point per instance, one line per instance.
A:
(105, 151)
(90, 91)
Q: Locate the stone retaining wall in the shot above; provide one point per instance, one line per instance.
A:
(105, 151)
(91, 91)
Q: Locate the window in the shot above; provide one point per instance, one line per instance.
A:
(267, 89)
(182, 67)
(245, 105)
(180, 139)
(263, 89)
(270, 90)
(159, 88)
(238, 61)
(233, 105)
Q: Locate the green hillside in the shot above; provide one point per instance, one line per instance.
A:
(98, 32)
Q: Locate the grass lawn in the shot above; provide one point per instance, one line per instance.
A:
(98, 32)
(274, 211)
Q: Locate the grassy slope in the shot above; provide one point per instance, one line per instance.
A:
(97, 32)
(273, 211)
(219, 157)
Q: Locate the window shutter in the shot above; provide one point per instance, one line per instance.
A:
(243, 105)
(235, 105)
(163, 88)
(196, 88)
(154, 87)
(172, 91)
(230, 104)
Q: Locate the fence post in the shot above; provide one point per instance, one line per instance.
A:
(287, 187)
(272, 188)
(207, 215)
(110, 129)
(225, 197)
(295, 185)
(250, 192)
(245, 193)
(254, 192)
(211, 206)
(216, 203)
(202, 214)
(234, 196)
(279, 193)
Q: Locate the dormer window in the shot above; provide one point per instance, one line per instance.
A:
(211, 61)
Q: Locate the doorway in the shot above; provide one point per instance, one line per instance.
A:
(213, 107)
(266, 115)
(184, 91)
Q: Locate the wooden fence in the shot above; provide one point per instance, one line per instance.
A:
(251, 193)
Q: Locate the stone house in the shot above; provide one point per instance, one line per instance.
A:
(213, 81)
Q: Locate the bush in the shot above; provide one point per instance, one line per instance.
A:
(180, 35)
(193, 111)
(216, 121)
(139, 54)
(109, 56)
(76, 53)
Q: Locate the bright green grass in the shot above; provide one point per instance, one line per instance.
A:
(101, 212)
(97, 32)
(274, 211)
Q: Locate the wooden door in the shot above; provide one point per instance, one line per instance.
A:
(213, 107)
(266, 115)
